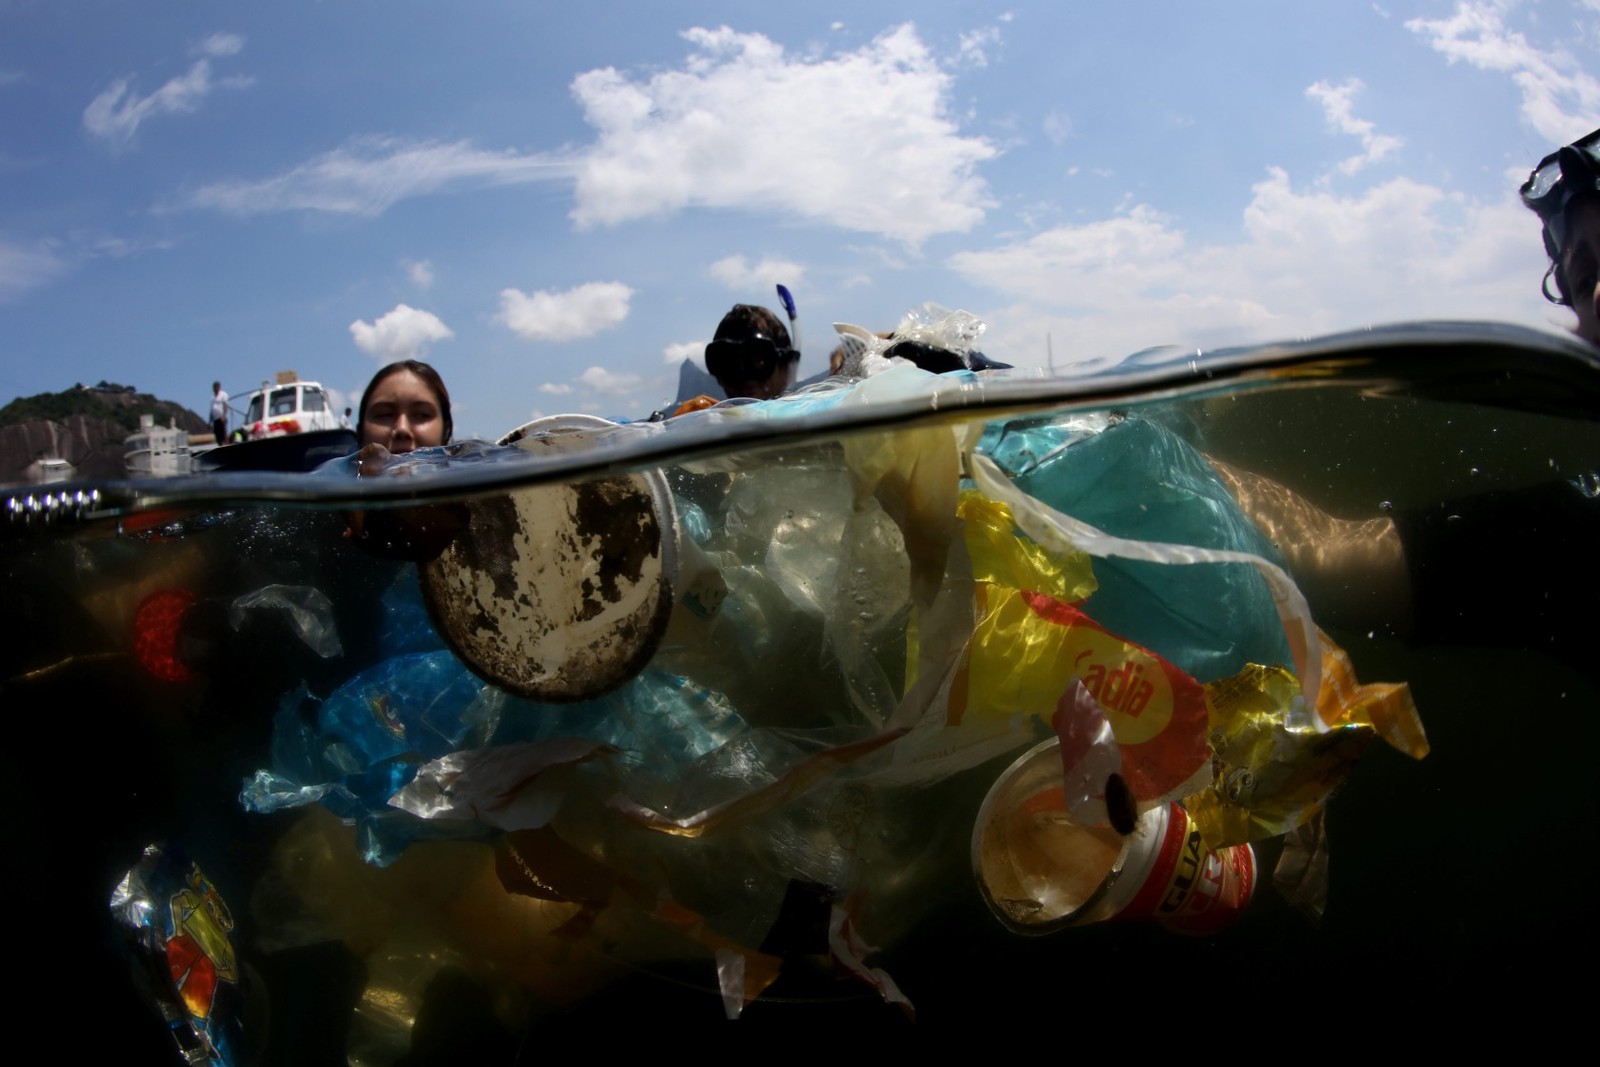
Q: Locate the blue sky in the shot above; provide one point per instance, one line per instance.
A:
(554, 205)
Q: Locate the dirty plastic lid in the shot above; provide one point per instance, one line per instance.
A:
(558, 593)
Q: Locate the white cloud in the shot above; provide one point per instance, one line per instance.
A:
(678, 351)
(738, 274)
(722, 131)
(369, 175)
(116, 114)
(972, 52)
(1086, 265)
(23, 268)
(91, 244)
(9, 77)
(1057, 127)
(403, 333)
(1306, 263)
(555, 389)
(887, 259)
(860, 140)
(611, 383)
(220, 44)
(420, 271)
(1559, 99)
(582, 311)
(1338, 107)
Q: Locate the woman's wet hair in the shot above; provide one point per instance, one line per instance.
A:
(430, 378)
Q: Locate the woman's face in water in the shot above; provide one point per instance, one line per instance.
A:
(1580, 265)
(402, 414)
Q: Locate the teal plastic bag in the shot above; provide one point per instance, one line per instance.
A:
(1135, 479)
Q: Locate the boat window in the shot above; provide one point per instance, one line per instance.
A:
(254, 412)
(314, 400)
(283, 401)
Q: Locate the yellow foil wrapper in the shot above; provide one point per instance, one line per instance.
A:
(1029, 643)
(1272, 768)
(1017, 662)
(1385, 706)
(1001, 557)
(1013, 641)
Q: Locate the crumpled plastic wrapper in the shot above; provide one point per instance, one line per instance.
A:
(508, 787)
(180, 930)
(1029, 647)
(927, 324)
(1274, 765)
(1090, 756)
(308, 610)
(1302, 872)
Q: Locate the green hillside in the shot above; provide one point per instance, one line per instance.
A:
(121, 404)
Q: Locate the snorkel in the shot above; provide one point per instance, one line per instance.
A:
(794, 318)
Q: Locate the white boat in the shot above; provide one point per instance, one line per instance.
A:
(290, 406)
(290, 425)
(48, 470)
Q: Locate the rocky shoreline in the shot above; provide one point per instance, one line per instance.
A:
(87, 426)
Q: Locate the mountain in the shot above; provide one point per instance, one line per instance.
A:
(85, 425)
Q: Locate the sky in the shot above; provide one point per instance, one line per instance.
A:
(554, 204)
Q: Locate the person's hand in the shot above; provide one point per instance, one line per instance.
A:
(371, 460)
(697, 403)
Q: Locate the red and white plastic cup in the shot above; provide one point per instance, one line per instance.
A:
(1040, 872)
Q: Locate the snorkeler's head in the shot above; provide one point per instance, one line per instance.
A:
(1560, 191)
(405, 407)
(750, 354)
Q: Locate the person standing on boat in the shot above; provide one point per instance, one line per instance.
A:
(1564, 190)
(219, 413)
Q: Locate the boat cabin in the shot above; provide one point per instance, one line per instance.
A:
(289, 407)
